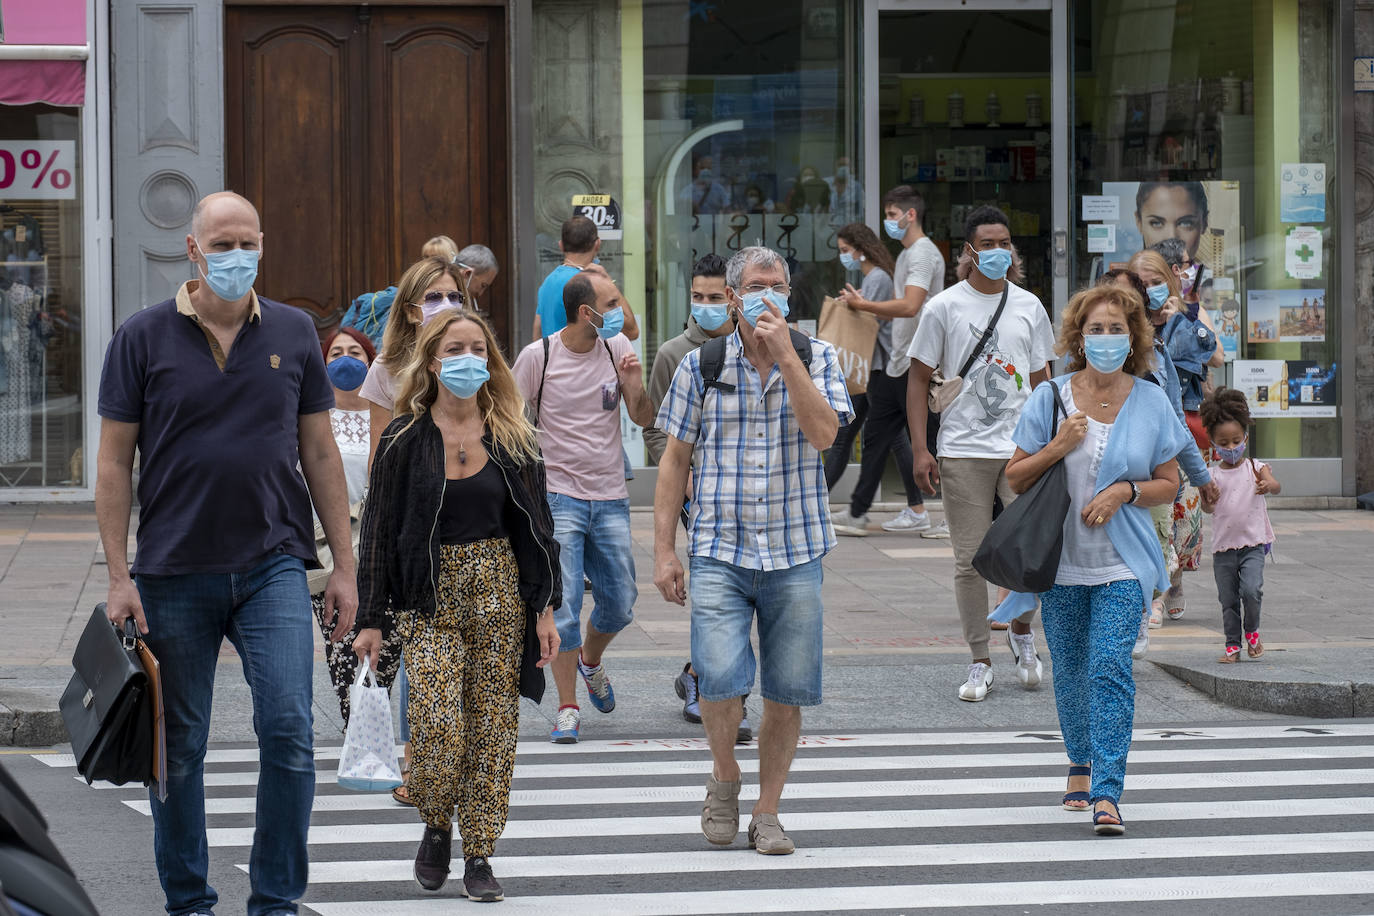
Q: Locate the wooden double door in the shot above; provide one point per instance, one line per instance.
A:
(362, 131)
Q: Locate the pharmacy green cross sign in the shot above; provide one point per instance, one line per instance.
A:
(1304, 253)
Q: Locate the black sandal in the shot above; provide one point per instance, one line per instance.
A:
(1103, 828)
(1084, 797)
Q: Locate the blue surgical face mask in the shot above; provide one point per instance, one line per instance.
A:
(755, 304)
(1234, 454)
(611, 323)
(1107, 352)
(994, 263)
(1159, 294)
(464, 374)
(842, 172)
(346, 373)
(710, 317)
(849, 261)
(230, 274)
(893, 228)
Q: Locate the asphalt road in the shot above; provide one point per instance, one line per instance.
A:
(1226, 812)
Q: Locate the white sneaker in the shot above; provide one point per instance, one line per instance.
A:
(908, 520)
(936, 531)
(1029, 668)
(978, 684)
(1142, 639)
(854, 526)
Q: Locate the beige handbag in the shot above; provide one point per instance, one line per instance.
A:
(943, 390)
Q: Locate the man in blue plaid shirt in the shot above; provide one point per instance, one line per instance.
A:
(760, 524)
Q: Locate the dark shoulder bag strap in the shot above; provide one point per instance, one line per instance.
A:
(987, 334)
(543, 371)
(1056, 409)
(614, 368)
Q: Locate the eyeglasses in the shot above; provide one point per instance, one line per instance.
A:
(753, 289)
(437, 298)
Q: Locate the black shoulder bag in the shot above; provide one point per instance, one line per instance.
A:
(1021, 550)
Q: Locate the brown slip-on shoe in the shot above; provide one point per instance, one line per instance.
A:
(1232, 654)
(1253, 647)
(766, 836)
(720, 813)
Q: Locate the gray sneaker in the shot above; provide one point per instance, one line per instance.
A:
(853, 526)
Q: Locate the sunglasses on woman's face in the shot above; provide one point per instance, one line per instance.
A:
(434, 297)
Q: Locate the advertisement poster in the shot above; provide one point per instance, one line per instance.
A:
(1302, 253)
(1220, 301)
(1287, 388)
(1286, 315)
(1302, 192)
(1205, 215)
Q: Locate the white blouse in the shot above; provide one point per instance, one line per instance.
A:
(352, 431)
(1089, 557)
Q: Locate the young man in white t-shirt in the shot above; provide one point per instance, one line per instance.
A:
(919, 275)
(975, 429)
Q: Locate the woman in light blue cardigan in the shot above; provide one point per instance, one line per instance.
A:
(1118, 446)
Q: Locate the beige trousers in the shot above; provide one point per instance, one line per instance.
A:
(968, 487)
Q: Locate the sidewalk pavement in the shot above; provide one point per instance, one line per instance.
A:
(889, 608)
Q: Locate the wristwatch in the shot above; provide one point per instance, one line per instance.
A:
(1135, 491)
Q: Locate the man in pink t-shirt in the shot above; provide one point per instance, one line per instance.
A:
(574, 382)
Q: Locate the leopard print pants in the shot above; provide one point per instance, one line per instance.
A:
(464, 668)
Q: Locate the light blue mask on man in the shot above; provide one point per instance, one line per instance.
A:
(611, 323)
(994, 263)
(710, 317)
(230, 274)
(755, 304)
(893, 228)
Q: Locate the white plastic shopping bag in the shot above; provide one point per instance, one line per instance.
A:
(368, 761)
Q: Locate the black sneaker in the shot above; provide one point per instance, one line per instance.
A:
(431, 862)
(479, 882)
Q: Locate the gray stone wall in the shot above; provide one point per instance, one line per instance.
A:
(1363, 195)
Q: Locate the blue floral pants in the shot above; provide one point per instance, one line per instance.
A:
(1091, 630)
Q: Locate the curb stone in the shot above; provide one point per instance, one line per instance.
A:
(29, 719)
(1316, 699)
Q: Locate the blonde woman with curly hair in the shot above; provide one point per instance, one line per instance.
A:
(458, 554)
(428, 286)
(1117, 439)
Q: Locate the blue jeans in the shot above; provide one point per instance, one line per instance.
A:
(265, 613)
(725, 599)
(1091, 630)
(593, 538)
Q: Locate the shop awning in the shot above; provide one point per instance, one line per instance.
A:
(42, 52)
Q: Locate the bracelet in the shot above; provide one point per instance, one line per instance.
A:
(1135, 491)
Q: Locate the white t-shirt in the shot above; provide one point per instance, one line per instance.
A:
(1089, 557)
(379, 387)
(980, 422)
(920, 265)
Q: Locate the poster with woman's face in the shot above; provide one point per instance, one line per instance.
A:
(1203, 215)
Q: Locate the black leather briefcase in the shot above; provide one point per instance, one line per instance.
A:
(107, 705)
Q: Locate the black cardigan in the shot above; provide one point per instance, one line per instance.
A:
(398, 556)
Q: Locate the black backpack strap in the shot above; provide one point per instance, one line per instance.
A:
(712, 362)
(713, 359)
(543, 371)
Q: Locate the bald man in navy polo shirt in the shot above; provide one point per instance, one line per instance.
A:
(224, 396)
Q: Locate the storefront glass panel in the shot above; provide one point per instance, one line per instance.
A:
(41, 297)
(712, 126)
(1217, 124)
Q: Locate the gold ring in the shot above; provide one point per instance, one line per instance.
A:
(1100, 519)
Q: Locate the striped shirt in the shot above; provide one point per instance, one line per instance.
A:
(759, 498)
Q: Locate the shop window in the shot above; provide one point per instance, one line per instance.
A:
(1216, 124)
(41, 308)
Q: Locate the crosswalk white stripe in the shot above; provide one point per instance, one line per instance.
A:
(538, 747)
(900, 819)
(625, 795)
(811, 764)
(906, 896)
(1087, 849)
